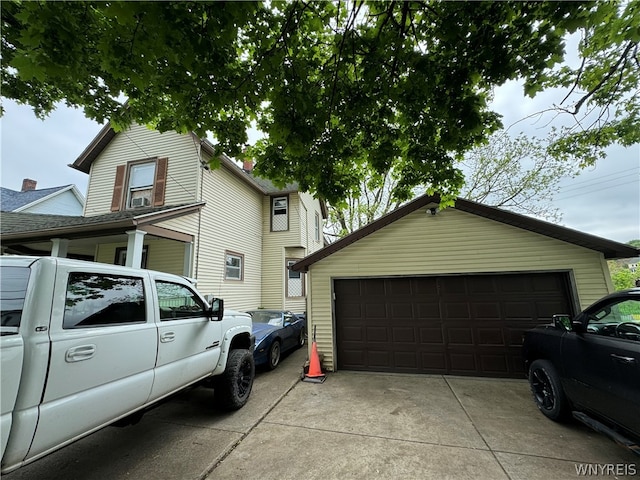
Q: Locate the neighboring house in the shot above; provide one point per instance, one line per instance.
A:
(152, 201)
(449, 292)
(65, 200)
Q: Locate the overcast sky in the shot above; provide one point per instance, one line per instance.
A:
(603, 200)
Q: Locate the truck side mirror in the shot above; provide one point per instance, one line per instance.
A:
(217, 309)
(563, 322)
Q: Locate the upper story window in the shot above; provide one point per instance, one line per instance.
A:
(317, 227)
(140, 188)
(279, 214)
(140, 184)
(234, 266)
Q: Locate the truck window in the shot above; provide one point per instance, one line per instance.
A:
(100, 300)
(177, 301)
(13, 289)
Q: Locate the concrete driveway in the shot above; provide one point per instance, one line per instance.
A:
(355, 425)
(359, 425)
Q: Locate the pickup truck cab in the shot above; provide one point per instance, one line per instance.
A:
(588, 367)
(84, 345)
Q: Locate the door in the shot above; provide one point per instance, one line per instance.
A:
(103, 349)
(290, 331)
(189, 342)
(457, 324)
(603, 364)
(13, 289)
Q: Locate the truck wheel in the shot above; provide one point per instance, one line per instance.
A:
(547, 390)
(232, 388)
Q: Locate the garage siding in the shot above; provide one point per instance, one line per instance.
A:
(464, 325)
(452, 242)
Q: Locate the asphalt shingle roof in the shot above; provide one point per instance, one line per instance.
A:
(18, 222)
(11, 200)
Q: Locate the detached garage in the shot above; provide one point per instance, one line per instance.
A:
(450, 292)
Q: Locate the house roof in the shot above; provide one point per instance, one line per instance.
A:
(13, 200)
(609, 248)
(32, 226)
(100, 142)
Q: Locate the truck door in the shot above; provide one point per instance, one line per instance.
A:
(13, 289)
(604, 362)
(103, 349)
(189, 341)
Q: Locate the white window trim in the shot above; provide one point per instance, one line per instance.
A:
(285, 214)
(144, 188)
(288, 262)
(239, 256)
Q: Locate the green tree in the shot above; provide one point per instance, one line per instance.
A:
(621, 276)
(374, 200)
(517, 174)
(603, 89)
(342, 89)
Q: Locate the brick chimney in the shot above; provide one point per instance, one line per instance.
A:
(247, 166)
(28, 184)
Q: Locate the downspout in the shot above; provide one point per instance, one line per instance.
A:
(202, 170)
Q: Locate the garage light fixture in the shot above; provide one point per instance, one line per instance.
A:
(432, 208)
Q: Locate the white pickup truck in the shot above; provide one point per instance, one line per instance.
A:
(85, 345)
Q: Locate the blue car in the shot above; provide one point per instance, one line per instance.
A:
(276, 332)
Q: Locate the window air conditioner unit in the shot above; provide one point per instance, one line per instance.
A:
(139, 202)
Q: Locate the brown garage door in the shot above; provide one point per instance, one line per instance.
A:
(461, 325)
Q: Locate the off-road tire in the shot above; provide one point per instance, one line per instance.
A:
(232, 388)
(547, 391)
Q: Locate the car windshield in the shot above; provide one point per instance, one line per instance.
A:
(271, 318)
(13, 288)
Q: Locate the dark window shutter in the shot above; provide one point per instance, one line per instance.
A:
(118, 188)
(160, 181)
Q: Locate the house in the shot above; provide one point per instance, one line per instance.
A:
(449, 292)
(153, 201)
(65, 200)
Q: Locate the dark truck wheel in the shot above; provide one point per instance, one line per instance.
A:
(547, 390)
(232, 388)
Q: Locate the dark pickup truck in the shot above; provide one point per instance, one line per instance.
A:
(588, 367)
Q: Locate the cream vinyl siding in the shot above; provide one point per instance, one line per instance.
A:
(295, 304)
(163, 255)
(273, 252)
(231, 220)
(139, 143)
(312, 207)
(449, 243)
(297, 242)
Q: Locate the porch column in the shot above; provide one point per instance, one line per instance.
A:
(134, 248)
(59, 247)
(188, 253)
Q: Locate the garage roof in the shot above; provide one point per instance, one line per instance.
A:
(609, 248)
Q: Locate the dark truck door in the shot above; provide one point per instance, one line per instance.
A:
(603, 364)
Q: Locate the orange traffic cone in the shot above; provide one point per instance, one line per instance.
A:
(315, 372)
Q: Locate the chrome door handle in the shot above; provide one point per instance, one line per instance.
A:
(621, 359)
(77, 354)
(167, 337)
